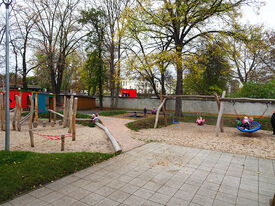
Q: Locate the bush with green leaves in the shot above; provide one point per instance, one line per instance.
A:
(257, 90)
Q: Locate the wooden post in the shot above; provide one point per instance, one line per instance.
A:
(73, 120)
(65, 111)
(54, 109)
(15, 114)
(1, 111)
(220, 115)
(62, 142)
(36, 106)
(31, 138)
(163, 110)
(31, 111)
(218, 104)
(68, 112)
(71, 114)
(157, 116)
(19, 111)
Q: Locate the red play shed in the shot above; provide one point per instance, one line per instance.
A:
(24, 98)
(128, 92)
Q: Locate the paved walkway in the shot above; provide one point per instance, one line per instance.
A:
(161, 174)
(121, 133)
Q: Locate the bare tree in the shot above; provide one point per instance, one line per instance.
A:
(59, 34)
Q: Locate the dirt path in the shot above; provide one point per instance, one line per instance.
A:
(121, 133)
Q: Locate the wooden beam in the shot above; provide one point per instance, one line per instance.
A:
(31, 112)
(112, 139)
(163, 110)
(271, 101)
(157, 115)
(220, 116)
(36, 107)
(19, 112)
(15, 113)
(73, 119)
(54, 108)
(71, 114)
(65, 112)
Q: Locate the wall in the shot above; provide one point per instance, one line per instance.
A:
(192, 105)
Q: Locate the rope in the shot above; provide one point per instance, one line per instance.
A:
(53, 137)
(267, 104)
(235, 109)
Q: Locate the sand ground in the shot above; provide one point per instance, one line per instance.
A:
(47, 139)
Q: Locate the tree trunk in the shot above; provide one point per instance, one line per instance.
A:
(179, 89)
(118, 73)
(112, 82)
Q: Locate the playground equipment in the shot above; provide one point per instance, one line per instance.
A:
(256, 126)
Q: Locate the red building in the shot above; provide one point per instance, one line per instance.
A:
(128, 92)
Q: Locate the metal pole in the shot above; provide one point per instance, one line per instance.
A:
(7, 129)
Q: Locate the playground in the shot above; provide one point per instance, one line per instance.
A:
(48, 139)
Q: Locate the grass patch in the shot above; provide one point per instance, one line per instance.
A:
(210, 120)
(149, 122)
(112, 112)
(23, 171)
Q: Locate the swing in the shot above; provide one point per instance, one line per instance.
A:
(255, 126)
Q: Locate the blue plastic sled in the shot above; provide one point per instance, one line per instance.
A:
(254, 127)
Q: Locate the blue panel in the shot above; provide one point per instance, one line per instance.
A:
(42, 102)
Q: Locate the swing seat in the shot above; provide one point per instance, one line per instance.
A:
(255, 126)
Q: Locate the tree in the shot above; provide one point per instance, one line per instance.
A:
(183, 22)
(25, 20)
(59, 35)
(209, 71)
(95, 18)
(249, 53)
(94, 74)
(257, 90)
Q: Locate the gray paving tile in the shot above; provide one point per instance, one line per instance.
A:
(160, 198)
(105, 191)
(37, 202)
(138, 182)
(202, 200)
(153, 186)
(170, 191)
(264, 199)
(248, 195)
(40, 192)
(79, 194)
(210, 186)
(144, 193)
(107, 202)
(227, 198)
(52, 197)
(134, 201)
(208, 193)
(231, 181)
(215, 178)
(221, 203)
(68, 201)
(228, 190)
(244, 202)
(185, 195)
(78, 203)
(92, 199)
(177, 202)
(119, 196)
(128, 188)
(92, 186)
(150, 203)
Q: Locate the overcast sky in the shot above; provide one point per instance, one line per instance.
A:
(266, 15)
